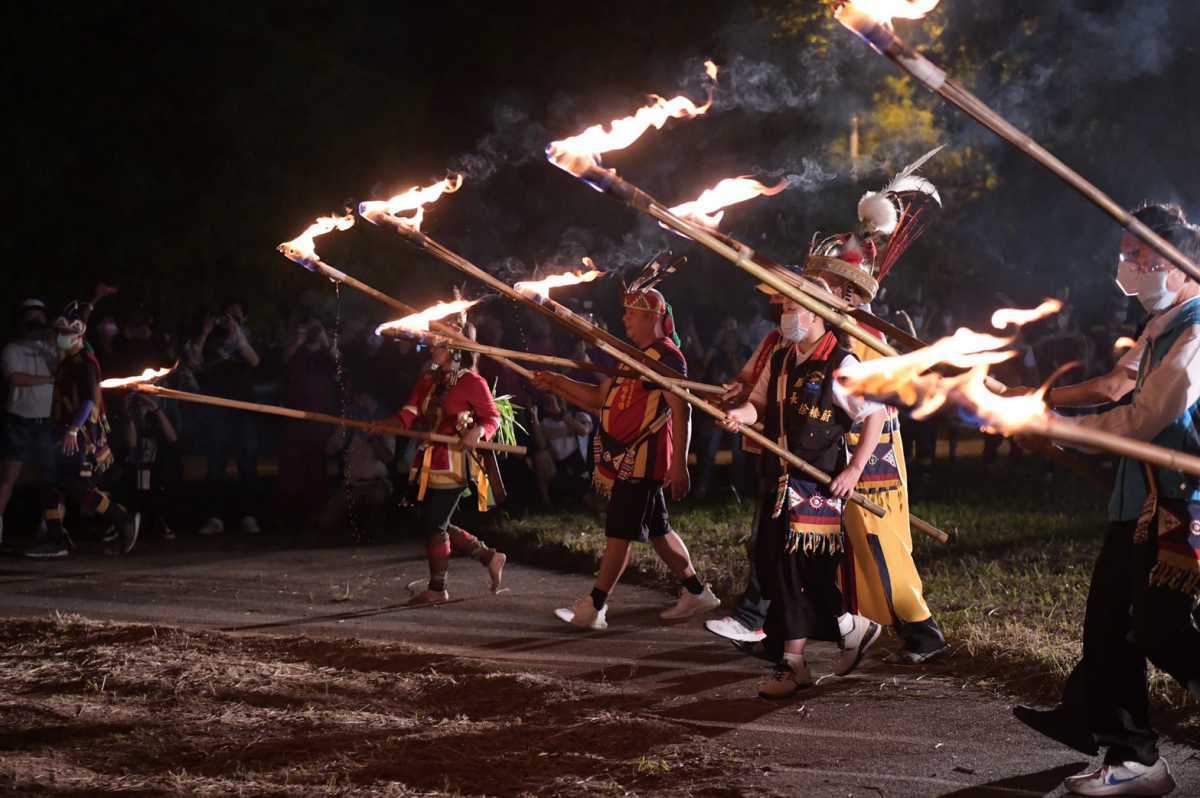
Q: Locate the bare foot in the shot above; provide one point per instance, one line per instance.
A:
(428, 597)
(496, 570)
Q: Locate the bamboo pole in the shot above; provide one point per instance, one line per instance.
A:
(318, 266)
(581, 327)
(564, 362)
(885, 41)
(383, 426)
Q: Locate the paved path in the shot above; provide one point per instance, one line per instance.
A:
(883, 731)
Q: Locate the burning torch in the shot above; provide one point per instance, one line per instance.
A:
(872, 21)
(409, 228)
(909, 380)
(302, 250)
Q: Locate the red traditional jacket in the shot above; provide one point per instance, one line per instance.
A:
(753, 369)
(631, 408)
(448, 410)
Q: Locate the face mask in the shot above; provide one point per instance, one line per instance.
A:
(1150, 288)
(793, 327)
(67, 342)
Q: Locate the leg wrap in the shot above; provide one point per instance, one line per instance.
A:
(463, 542)
(438, 547)
(438, 552)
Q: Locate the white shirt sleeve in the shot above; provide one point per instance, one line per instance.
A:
(856, 407)
(11, 357)
(1170, 389)
(1131, 360)
(758, 394)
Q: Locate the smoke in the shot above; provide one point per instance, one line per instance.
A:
(514, 139)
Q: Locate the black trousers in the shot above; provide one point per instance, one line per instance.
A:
(1127, 623)
(804, 597)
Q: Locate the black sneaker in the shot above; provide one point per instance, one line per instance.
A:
(1059, 724)
(47, 551)
(906, 657)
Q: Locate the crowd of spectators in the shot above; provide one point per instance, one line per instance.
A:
(210, 470)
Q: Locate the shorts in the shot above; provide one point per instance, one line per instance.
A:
(30, 441)
(637, 510)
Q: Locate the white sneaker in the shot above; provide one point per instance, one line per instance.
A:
(249, 525)
(788, 678)
(732, 629)
(584, 614)
(855, 645)
(690, 604)
(213, 526)
(1127, 778)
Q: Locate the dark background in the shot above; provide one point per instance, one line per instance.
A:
(167, 147)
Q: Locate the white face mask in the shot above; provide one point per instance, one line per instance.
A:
(1150, 288)
(67, 342)
(793, 327)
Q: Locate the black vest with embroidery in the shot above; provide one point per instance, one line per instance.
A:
(814, 423)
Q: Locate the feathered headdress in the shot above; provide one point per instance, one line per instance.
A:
(642, 295)
(896, 214)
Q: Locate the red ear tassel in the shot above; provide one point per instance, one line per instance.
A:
(913, 221)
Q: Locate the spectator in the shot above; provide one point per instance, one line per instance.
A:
(148, 432)
(227, 370)
(366, 462)
(29, 365)
(103, 339)
(566, 434)
(310, 383)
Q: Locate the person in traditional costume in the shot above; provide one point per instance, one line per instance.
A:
(878, 577)
(84, 453)
(1144, 600)
(801, 539)
(642, 443)
(451, 398)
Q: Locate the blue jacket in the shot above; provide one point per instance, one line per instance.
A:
(1182, 434)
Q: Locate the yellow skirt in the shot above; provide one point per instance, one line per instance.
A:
(879, 578)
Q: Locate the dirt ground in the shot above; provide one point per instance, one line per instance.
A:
(91, 708)
(245, 669)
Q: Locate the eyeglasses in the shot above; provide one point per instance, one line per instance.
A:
(1141, 262)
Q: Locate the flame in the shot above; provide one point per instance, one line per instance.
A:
(543, 287)
(908, 378)
(414, 200)
(883, 11)
(419, 321)
(707, 209)
(304, 247)
(1006, 316)
(149, 375)
(1123, 343)
(577, 153)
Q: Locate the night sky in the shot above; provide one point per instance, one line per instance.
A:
(170, 146)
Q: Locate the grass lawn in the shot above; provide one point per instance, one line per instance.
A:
(1009, 594)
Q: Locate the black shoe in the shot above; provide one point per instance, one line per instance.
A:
(759, 650)
(1059, 724)
(906, 657)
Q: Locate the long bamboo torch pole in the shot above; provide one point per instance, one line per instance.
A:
(584, 329)
(563, 362)
(318, 266)
(607, 181)
(307, 415)
(885, 41)
(1062, 430)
